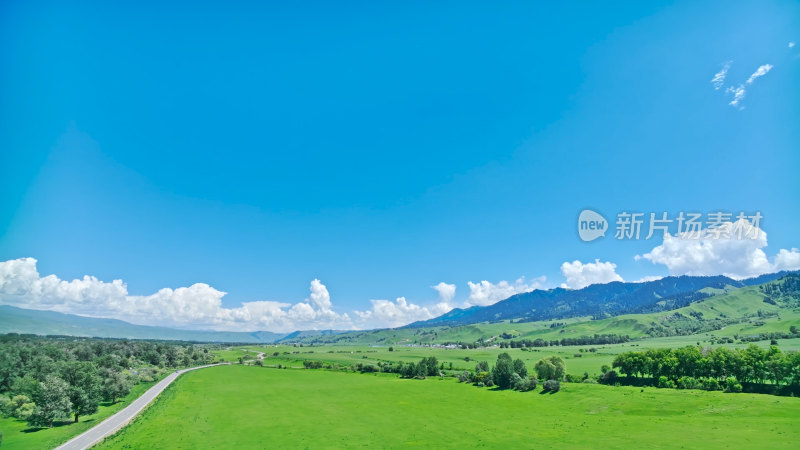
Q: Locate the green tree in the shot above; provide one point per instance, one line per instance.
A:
(502, 371)
(115, 385)
(84, 387)
(432, 366)
(19, 406)
(551, 368)
(26, 385)
(52, 402)
(482, 366)
(519, 368)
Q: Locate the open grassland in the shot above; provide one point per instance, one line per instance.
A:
(17, 434)
(465, 359)
(251, 407)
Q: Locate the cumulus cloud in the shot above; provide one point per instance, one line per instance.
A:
(486, 293)
(787, 260)
(397, 313)
(198, 305)
(446, 291)
(580, 275)
(726, 254)
(719, 77)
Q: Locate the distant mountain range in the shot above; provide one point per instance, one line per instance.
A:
(597, 301)
(28, 321)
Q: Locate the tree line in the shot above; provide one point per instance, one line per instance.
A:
(709, 368)
(44, 379)
(597, 339)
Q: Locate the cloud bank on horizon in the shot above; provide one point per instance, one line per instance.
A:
(200, 305)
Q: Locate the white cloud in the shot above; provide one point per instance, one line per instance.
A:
(719, 77)
(580, 275)
(787, 260)
(397, 313)
(738, 94)
(791, 44)
(647, 278)
(728, 255)
(198, 306)
(486, 293)
(739, 91)
(446, 291)
(760, 72)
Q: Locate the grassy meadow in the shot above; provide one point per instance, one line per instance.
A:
(465, 359)
(253, 407)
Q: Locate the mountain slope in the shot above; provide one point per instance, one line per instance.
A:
(597, 300)
(773, 307)
(27, 321)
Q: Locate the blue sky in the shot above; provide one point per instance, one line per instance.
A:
(383, 148)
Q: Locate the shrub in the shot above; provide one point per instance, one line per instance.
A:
(6, 406)
(732, 385)
(609, 377)
(464, 377)
(710, 384)
(551, 386)
(590, 381)
(481, 377)
(689, 383)
(313, 364)
(515, 379)
(664, 382)
(523, 384)
(569, 378)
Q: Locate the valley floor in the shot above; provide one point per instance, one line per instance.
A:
(253, 407)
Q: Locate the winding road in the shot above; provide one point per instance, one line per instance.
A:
(111, 425)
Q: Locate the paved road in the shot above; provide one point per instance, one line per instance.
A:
(111, 425)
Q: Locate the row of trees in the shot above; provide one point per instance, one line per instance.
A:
(667, 367)
(597, 339)
(46, 379)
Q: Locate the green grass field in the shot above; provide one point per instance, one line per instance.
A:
(251, 407)
(588, 362)
(18, 435)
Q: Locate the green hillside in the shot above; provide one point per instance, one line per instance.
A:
(772, 307)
